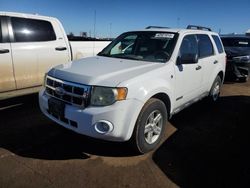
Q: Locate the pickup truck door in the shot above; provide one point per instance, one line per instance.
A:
(7, 80)
(36, 47)
(188, 76)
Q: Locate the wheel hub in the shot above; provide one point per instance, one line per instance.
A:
(153, 127)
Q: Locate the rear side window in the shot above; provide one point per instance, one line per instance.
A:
(218, 44)
(31, 30)
(205, 46)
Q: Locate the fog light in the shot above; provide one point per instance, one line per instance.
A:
(103, 127)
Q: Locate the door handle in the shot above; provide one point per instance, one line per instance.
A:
(198, 67)
(215, 62)
(4, 51)
(61, 48)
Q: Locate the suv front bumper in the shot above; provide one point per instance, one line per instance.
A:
(122, 115)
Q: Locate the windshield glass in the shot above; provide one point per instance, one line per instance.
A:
(142, 46)
(236, 42)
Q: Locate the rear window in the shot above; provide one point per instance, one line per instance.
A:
(205, 46)
(236, 42)
(31, 30)
(218, 44)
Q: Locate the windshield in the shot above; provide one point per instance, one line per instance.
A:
(236, 42)
(142, 46)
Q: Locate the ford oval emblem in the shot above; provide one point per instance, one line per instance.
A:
(59, 91)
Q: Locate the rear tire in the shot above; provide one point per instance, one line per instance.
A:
(215, 90)
(150, 126)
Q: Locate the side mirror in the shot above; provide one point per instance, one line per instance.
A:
(187, 59)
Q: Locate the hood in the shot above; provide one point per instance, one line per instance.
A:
(102, 71)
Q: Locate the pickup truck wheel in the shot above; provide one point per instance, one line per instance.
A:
(150, 126)
(215, 90)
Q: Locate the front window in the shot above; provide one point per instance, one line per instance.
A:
(142, 46)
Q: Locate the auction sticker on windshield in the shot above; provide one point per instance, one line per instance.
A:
(164, 35)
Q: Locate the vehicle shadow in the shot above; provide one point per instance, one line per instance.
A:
(210, 146)
(26, 132)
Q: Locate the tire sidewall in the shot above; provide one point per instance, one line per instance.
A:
(149, 107)
(217, 80)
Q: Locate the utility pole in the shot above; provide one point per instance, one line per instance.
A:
(110, 34)
(94, 24)
(94, 33)
(178, 22)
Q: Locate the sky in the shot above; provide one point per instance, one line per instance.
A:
(113, 17)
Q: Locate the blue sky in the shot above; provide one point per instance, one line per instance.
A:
(124, 15)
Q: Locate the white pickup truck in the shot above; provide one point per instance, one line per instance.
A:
(29, 46)
(131, 88)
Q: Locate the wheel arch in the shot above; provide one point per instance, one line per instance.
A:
(165, 99)
(221, 75)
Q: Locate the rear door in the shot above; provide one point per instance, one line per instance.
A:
(7, 81)
(37, 45)
(208, 60)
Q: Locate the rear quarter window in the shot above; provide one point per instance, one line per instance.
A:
(32, 30)
(218, 44)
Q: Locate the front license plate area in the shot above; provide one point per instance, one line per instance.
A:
(56, 107)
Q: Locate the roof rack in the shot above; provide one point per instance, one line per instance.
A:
(156, 27)
(198, 27)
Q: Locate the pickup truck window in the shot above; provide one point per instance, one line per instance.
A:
(142, 46)
(31, 30)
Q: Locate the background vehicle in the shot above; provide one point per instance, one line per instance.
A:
(143, 78)
(237, 48)
(29, 46)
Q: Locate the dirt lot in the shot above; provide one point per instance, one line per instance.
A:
(206, 146)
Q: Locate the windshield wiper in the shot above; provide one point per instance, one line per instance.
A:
(127, 57)
(105, 55)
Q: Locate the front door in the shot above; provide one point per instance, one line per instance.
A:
(7, 80)
(188, 76)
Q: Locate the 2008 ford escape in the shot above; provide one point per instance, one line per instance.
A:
(131, 88)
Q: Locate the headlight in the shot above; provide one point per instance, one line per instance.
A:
(104, 96)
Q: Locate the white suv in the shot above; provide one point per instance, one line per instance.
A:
(131, 88)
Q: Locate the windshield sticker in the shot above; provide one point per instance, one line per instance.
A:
(164, 35)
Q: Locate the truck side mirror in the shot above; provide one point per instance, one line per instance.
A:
(187, 59)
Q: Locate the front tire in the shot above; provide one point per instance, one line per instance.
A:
(150, 126)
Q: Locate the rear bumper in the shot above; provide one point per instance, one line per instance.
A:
(122, 115)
